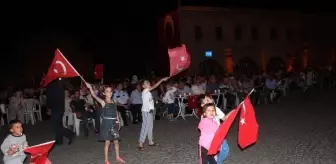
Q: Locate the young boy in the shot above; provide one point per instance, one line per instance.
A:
(13, 145)
(147, 113)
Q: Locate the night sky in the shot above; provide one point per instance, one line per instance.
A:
(112, 34)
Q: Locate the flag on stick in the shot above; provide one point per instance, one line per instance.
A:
(179, 59)
(39, 153)
(60, 68)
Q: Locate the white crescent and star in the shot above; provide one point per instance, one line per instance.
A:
(62, 65)
(182, 58)
(242, 121)
(178, 68)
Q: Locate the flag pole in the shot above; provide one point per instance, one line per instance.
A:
(245, 97)
(71, 65)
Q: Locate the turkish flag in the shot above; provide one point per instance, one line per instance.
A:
(179, 59)
(99, 71)
(222, 132)
(59, 68)
(248, 126)
(39, 153)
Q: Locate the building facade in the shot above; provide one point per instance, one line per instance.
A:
(229, 35)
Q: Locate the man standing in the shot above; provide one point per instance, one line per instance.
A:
(55, 104)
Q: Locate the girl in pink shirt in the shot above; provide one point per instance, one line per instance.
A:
(208, 127)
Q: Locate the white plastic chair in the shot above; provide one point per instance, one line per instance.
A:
(3, 111)
(38, 111)
(77, 124)
(29, 105)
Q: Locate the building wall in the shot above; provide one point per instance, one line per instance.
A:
(247, 19)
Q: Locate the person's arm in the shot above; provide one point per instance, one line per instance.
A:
(128, 100)
(132, 96)
(100, 101)
(25, 144)
(158, 83)
(5, 146)
(220, 114)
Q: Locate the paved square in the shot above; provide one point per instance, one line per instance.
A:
(292, 131)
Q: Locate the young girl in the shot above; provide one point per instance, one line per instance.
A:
(109, 129)
(147, 113)
(208, 127)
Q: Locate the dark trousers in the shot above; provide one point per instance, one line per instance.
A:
(207, 159)
(97, 118)
(59, 130)
(172, 108)
(122, 111)
(136, 112)
(85, 118)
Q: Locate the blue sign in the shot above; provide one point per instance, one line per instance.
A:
(208, 53)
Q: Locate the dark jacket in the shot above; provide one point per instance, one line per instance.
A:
(55, 97)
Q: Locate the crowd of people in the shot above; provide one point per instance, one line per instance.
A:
(141, 101)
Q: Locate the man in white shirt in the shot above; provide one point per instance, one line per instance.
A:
(122, 100)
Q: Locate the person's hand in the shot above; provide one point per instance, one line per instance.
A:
(165, 78)
(88, 85)
(11, 151)
(48, 112)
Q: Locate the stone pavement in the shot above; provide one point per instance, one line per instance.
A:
(291, 132)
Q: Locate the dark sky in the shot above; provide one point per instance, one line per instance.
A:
(111, 34)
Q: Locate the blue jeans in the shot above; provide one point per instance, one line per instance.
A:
(223, 153)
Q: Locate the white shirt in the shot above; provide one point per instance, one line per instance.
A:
(271, 83)
(197, 90)
(310, 76)
(120, 97)
(185, 90)
(168, 97)
(67, 107)
(136, 97)
(219, 115)
(88, 99)
(147, 101)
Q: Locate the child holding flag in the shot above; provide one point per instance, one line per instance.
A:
(13, 145)
(110, 126)
(208, 127)
(224, 151)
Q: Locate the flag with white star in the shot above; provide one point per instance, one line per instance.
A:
(179, 59)
(248, 125)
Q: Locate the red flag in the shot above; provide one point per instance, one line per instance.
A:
(179, 59)
(39, 153)
(222, 132)
(60, 68)
(248, 126)
(99, 71)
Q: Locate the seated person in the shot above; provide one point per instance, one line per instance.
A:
(79, 107)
